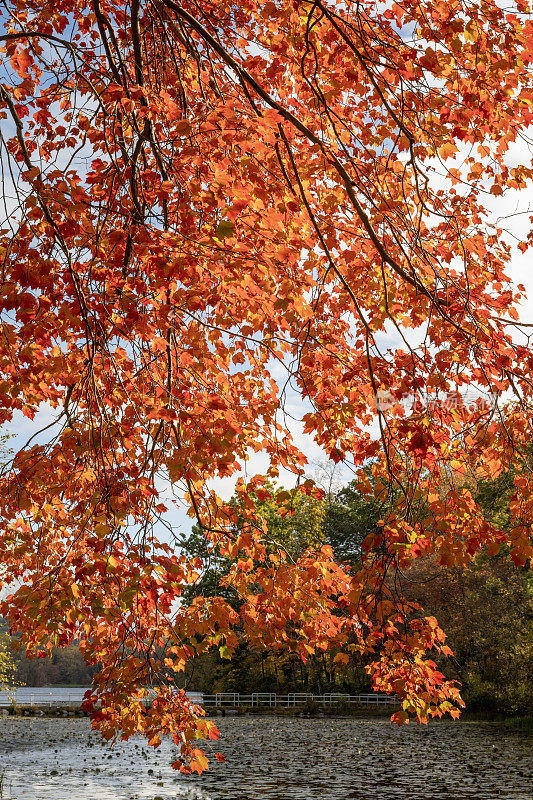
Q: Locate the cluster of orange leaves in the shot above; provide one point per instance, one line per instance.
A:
(214, 199)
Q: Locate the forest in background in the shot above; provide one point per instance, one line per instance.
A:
(485, 607)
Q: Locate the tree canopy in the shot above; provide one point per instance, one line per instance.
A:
(485, 607)
(214, 208)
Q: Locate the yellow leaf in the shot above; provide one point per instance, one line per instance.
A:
(448, 150)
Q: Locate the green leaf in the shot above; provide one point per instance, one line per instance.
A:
(225, 229)
(224, 651)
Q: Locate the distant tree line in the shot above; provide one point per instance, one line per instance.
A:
(486, 607)
(65, 667)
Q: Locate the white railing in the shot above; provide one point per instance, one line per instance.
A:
(45, 697)
(272, 700)
(54, 696)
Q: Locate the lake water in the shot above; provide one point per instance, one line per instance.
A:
(270, 758)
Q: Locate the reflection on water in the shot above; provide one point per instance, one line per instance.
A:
(273, 759)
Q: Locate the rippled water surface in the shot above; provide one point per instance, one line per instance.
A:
(273, 759)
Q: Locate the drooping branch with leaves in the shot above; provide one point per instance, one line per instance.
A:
(216, 213)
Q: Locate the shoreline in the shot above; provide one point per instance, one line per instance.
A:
(522, 723)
